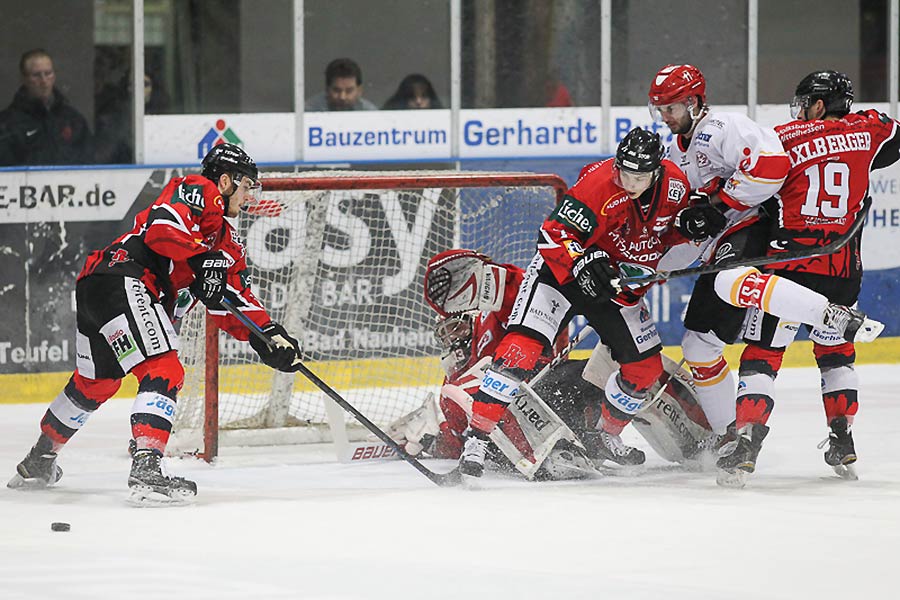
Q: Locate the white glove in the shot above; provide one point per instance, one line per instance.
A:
(418, 428)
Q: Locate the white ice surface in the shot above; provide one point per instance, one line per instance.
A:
(292, 523)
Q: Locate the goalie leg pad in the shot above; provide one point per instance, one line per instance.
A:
(516, 361)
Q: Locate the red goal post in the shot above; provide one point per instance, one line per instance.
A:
(338, 257)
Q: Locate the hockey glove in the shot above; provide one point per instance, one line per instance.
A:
(284, 352)
(594, 273)
(700, 221)
(211, 269)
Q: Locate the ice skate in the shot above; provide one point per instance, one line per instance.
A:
(853, 324)
(714, 445)
(734, 467)
(603, 446)
(37, 471)
(566, 461)
(840, 454)
(471, 461)
(149, 485)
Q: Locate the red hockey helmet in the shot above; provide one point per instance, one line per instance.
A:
(675, 83)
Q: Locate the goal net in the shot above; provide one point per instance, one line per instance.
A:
(338, 258)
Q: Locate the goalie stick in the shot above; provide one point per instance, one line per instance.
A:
(442, 479)
(758, 261)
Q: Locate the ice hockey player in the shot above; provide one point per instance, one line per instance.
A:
(832, 152)
(125, 305)
(734, 166)
(619, 215)
(673, 426)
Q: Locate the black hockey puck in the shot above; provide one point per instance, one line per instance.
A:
(60, 527)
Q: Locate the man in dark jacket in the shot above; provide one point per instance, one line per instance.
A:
(41, 127)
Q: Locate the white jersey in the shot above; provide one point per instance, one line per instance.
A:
(735, 157)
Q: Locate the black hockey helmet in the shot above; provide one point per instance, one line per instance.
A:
(231, 159)
(639, 151)
(833, 88)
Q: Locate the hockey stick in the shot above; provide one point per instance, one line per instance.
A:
(659, 393)
(442, 479)
(758, 261)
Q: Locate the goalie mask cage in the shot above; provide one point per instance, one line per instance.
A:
(338, 258)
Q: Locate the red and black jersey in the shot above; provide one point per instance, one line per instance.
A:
(828, 180)
(597, 212)
(185, 220)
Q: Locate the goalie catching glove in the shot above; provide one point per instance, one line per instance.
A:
(211, 269)
(284, 351)
(458, 281)
(701, 220)
(594, 274)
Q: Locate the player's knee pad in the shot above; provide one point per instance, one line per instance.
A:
(756, 359)
(640, 375)
(840, 355)
(162, 374)
(518, 351)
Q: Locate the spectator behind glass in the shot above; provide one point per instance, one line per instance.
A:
(156, 101)
(40, 126)
(343, 89)
(113, 125)
(415, 91)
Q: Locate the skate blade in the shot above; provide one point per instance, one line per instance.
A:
(736, 480)
(470, 482)
(847, 472)
(868, 331)
(612, 468)
(146, 496)
(20, 483)
(32, 483)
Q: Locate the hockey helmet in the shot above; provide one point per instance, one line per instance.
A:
(640, 151)
(454, 335)
(231, 159)
(676, 83)
(638, 160)
(833, 88)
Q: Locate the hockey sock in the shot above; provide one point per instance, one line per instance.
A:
(487, 410)
(755, 399)
(71, 409)
(621, 403)
(714, 384)
(840, 382)
(159, 380)
(746, 287)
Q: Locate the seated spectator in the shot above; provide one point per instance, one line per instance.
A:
(415, 91)
(343, 89)
(41, 127)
